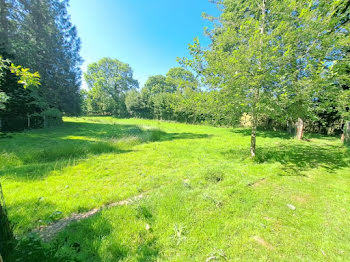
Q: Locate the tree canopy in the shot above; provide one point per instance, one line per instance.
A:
(109, 80)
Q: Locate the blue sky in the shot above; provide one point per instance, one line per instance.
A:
(147, 34)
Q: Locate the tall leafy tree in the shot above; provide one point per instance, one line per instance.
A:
(338, 73)
(243, 57)
(271, 57)
(181, 78)
(112, 79)
(38, 34)
(158, 84)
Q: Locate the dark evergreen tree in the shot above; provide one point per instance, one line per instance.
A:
(41, 37)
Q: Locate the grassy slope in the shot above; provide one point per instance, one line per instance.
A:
(199, 202)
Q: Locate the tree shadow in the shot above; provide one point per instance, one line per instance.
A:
(298, 157)
(78, 242)
(83, 241)
(185, 136)
(148, 251)
(34, 154)
(32, 213)
(263, 133)
(277, 134)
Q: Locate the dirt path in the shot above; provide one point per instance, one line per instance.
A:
(47, 233)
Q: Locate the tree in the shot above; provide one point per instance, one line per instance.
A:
(271, 57)
(181, 78)
(39, 35)
(243, 57)
(151, 95)
(159, 84)
(339, 71)
(111, 79)
(25, 77)
(135, 104)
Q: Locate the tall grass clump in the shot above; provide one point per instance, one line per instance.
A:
(68, 151)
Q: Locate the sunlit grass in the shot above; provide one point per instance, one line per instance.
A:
(205, 197)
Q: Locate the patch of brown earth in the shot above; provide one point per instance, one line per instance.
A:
(262, 242)
(258, 182)
(47, 233)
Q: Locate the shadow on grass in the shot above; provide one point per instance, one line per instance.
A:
(90, 240)
(87, 240)
(32, 213)
(278, 134)
(83, 240)
(79, 242)
(298, 157)
(263, 133)
(34, 154)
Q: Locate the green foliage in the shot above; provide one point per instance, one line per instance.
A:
(39, 35)
(108, 81)
(158, 84)
(272, 58)
(181, 79)
(26, 78)
(163, 97)
(135, 104)
(3, 99)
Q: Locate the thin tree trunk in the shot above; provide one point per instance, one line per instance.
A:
(253, 141)
(253, 134)
(256, 91)
(342, 138)
(300, 129)
(345, 138)
(290, 127)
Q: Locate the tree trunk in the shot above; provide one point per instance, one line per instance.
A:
(6, 235)
(253, 135)
(45, 122)
(290, 127)
(345, 138)
(256, 90)
(300, 129)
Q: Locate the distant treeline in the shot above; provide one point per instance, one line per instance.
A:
(38, 35)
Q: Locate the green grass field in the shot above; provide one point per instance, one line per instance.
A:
(205, 199)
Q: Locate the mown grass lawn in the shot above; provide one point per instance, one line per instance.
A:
(205, 199)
